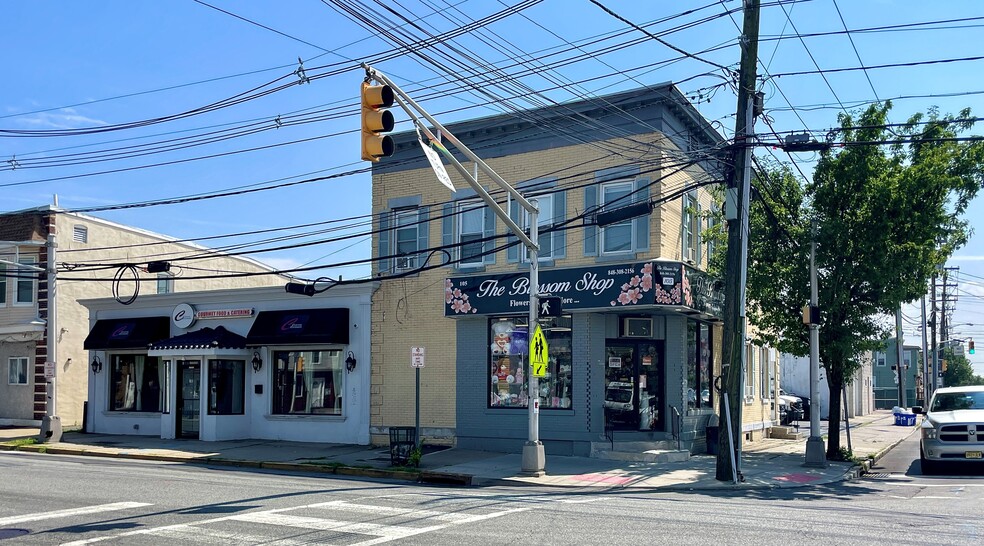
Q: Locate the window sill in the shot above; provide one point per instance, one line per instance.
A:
(470, 269)
(130, 413)
(305, 417)
(749, 400)
(616, 257)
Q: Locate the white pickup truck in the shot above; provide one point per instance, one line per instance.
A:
(953, 428)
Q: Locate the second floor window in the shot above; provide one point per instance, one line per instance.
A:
(26, 282)
(165, 283)
(471, 224)
(406, 234)
(691, 228)
(616, 237)
(3, 283)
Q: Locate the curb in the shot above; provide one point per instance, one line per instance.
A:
(865, 466)
(424, 476)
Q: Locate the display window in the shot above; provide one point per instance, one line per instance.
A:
(699, 392)
(226, 387)
(137, 383)
(508, 362)
(308, 382)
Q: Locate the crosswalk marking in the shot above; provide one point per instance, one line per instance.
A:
(376, 533)
(68, 512)
(190, 534)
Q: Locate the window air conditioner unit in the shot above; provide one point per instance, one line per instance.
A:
(637, 327)
(405, 262)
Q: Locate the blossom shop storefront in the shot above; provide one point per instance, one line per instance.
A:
(634, 344)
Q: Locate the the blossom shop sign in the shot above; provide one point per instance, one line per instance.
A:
(621, 286)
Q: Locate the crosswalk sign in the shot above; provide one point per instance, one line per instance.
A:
(538, 352)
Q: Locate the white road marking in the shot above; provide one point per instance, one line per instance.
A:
(409, 511)
(69, 512)
(277, 516)
(189, 535)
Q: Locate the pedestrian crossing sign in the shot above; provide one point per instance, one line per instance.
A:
(538, 352)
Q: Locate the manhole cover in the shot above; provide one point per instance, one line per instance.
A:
(13, 533)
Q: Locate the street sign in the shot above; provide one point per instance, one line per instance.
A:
(49, 370)
(550, 306)
(538, 352)
(417, 357)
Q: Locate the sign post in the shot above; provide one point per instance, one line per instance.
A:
(417, 355)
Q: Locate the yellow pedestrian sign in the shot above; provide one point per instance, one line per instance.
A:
(538, 352)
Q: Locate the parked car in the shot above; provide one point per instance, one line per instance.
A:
(952, 431)
(790, 408)
(804, 406)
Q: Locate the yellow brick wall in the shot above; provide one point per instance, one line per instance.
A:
(409, 312)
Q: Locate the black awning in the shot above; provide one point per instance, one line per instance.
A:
(300, 326)
(131, 333)
(206, 338)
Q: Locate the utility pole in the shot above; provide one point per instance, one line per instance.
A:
(934, 372)
(736, 212)
(925, 360)
(51, 429)
(899, 365)
(815, 453)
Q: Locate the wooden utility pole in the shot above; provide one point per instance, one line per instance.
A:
(736, 210)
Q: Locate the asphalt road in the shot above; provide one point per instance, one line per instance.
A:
(48, 499)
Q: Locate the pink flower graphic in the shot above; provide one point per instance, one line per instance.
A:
(457, 299)
(646, 283)
(647, 269)
(632, 291)
(457, 306)
(634, 281)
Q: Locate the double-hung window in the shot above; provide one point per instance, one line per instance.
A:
(402, 235)
(26, 281)
(691, 227)
(3, 284)
(552, 211)
(405, 235)
(17, 370)
(165, 283)
(616, 238)
(471, 225)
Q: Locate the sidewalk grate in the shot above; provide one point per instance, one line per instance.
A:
(876, 475)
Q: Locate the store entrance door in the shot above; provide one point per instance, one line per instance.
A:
(189, 399)
(634, 384)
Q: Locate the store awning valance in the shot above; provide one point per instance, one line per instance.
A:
(206, 338)
(300, 326)
(129, 333)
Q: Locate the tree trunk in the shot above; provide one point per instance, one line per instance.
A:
(835, 384)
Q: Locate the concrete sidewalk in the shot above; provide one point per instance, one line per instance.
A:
(767, 463)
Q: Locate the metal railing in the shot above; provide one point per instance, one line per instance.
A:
(676, 425)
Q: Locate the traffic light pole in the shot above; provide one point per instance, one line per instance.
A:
(534, 458)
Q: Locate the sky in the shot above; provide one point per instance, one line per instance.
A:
(140, 102)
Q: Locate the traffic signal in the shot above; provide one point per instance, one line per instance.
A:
(376, 120)
(944, 365)
(970, 346)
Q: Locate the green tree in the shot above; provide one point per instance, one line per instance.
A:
(959, 372)
(886, 202)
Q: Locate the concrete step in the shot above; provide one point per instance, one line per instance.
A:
(648, 456)
(786, 433)
(634, 446)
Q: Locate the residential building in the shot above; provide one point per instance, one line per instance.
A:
(25, 302)
(636, 349)
(795, 372)
(884, 375)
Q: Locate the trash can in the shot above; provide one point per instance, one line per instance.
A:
(402, 442)
(905, 419)
(712, 439)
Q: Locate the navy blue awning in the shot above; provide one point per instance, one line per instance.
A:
(300, 326)
(206, 338)
(130, 333)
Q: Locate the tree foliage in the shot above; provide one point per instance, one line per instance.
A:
(959, 371)
(886, 203)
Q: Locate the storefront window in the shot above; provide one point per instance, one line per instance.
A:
(308, 382)
(698, 365)
(509, 343)
(226, 386)
(136, 384)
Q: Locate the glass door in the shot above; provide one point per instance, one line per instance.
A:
(621, 396)
(634, 377)
(189, 398)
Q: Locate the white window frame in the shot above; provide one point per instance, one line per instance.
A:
(31, 261)
(3, 284)
(691, 225)
(168, 280)
(80, 234)
(412, 217)
(880, 360)
(764, 373)
(463, 208)
(22, 363)
(545, 219)
(749, 373)
(624, 224)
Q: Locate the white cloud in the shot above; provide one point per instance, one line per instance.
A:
(966, 258)
(66, 118)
